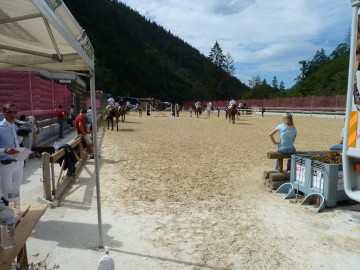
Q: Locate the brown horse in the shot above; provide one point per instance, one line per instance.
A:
(111, 113)
(197, 110)
(231, 113)
(122, 112)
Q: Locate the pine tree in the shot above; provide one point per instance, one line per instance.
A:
(255, 81)
(216, 56)
(282, 86)
(274, 83)
(229, 64)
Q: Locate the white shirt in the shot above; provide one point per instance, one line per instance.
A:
(111, 101)
(89, 113)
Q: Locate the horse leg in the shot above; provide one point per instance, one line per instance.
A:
(108, 120)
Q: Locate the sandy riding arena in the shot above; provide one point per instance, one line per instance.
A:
(184, 193)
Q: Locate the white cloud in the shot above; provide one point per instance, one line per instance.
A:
(265, 38)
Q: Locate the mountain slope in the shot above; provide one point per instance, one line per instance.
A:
(137, 57)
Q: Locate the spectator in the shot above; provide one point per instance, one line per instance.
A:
(35, 133)
(190, 110)
(89, 115)
(262, 111)
(288, 134)
(218, 110)
(11, 170)
(83, 131)
(339, 146)
(60, 115)
(70, 115)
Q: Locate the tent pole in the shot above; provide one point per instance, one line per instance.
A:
(96, 156)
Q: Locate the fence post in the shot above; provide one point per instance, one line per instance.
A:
(46, 176)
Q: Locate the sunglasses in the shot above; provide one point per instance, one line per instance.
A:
(11, 112)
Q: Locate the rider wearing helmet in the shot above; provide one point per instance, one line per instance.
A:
(111, 103)
(231, 103)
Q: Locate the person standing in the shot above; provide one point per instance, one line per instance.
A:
(11, 170)
(262, 111)
(70, 115)
(288, 134)
(89, 116)
(83, 131)
(190, 110)
(208, 108)
(60, 116)
(218, 110)
(35, 133)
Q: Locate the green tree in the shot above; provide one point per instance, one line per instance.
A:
(274, 83)
(255, 81)
(216, 56)
(282, 86)
(229, 64)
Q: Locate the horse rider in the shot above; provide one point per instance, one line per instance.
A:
(111, 103)
(197, 104)
(128, 105)
(231, 103)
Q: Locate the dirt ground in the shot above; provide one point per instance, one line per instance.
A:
(190, 189)
(185, 194)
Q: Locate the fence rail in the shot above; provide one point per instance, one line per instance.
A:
(312, 103)
(54, 184)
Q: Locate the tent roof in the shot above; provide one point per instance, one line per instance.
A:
(43, 34)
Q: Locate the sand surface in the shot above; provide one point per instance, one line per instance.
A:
(186, 193)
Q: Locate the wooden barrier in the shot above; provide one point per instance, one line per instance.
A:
(54, 185)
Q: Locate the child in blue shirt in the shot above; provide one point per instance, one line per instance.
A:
(288, 134)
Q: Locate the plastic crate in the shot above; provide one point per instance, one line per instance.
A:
(311, 176)
(327, 179)
(298, 176)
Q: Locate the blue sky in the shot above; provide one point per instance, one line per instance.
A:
(265, 38)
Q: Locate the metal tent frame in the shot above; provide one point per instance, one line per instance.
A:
(43, 35)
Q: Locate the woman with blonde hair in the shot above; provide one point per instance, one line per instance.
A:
(287, 137)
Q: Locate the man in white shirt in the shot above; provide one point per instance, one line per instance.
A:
(11, 170)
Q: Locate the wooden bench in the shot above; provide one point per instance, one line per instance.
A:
(30, 216)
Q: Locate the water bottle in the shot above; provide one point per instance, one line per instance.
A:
(14, 199)
(7, 225)
(2, 207)
(56, 146)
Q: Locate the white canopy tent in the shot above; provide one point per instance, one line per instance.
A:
(43, 35)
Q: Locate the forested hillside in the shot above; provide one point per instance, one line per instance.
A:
(324, 75)
(137, 57)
